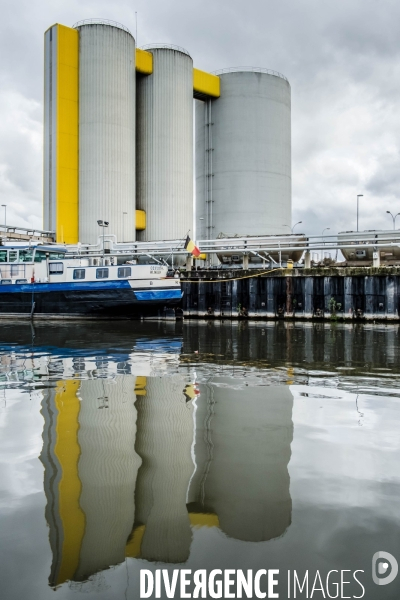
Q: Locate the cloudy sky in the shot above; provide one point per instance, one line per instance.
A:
(342, 58)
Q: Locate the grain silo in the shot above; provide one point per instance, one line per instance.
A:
(243, 156)
(107, 84)
(165, 144)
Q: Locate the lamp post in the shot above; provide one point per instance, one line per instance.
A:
(291, 228)
(103, 224)
(298, 223)
(393, 217)
(358, 196)
(5, 214)
(326, 228)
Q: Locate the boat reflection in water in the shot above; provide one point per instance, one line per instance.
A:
(133, 465)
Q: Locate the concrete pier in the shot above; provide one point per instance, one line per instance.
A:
(319, 293)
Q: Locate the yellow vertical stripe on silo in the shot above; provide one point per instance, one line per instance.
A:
(67, 194)
(68, 451)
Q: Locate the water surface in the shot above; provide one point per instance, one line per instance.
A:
(196, 445)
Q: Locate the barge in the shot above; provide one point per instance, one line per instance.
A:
(50, 282)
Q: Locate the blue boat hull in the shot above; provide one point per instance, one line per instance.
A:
(87, 299)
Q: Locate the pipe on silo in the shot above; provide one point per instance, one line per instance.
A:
(107, 97)
(164, 164)
(243, 157)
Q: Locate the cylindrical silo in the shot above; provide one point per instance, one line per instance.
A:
(243, 156)
(164, 164)
(107, 96)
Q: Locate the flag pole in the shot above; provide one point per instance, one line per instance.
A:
(183, 240)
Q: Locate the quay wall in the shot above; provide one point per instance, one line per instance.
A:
(359, 293)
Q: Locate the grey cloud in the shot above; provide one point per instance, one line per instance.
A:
(341, 58)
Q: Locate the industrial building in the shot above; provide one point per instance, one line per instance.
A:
(118, 141)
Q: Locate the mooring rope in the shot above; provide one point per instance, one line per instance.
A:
(231, 278)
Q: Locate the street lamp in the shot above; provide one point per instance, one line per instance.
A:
(298, 223)
(5, 214)
(103, 224)
(358, 196)
(326, 228)
(291, 228)
(393, 217)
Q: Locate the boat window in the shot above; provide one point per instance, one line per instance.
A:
(57, 255)
(40, 256)
(12, 255)
(124, 271)
(6, 281)
(3, 255)
(21, 281)
(79, 274)
(26, 255)
(56, 268)
(101, 273)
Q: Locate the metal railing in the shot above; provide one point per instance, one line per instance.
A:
(251, 70)
(243, 246)
(165, 46)
(100, 22)
(27, 232)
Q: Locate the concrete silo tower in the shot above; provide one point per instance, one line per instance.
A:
(107, 93)
(165, 144)
(243, 156)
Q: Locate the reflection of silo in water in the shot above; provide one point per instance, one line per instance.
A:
(107, 468)
(164, 439)
(242, 454)
(62, 486)
(90, 474)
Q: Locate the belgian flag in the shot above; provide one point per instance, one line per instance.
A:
(191, 247)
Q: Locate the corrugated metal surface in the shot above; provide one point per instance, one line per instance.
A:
(107, 82)
(164, 439)
(108, 468)
(50, 128)
(243, 157)
(165, 146)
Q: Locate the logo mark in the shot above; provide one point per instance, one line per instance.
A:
(381, 561)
